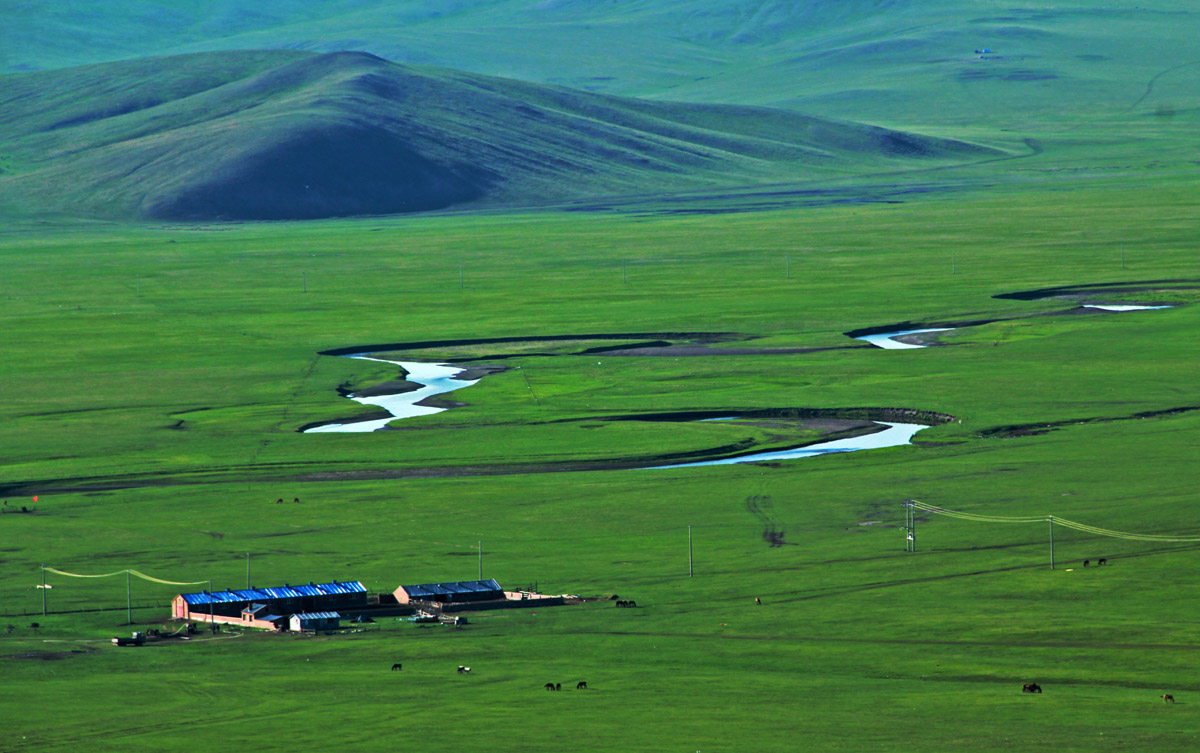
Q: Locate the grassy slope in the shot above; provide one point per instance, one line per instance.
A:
(893, 62)
(293, 136)
(856, 645)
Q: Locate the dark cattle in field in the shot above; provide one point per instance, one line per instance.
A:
(1086, 563)
(558, 686)
(1168, 698)
(464, 670)
(549, 686)
(581, 686)
(396, 666)
(1102, 561)
(1031, 687)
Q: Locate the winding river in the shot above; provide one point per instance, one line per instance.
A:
(884, 339)
(435, 378)
(896, 434)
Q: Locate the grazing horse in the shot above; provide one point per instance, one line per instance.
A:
(549, 686)
(1031, 687)
(558, 686)
(581, 686)
(757, 600)
(396, 666)
(464, 670)
(1102, 561)
(1168, 698)
(279, 501)
(1086, 563)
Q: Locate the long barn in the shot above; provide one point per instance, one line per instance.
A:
(251, 606)
(457, 591)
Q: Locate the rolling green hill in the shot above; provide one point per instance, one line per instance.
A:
(286, 135)
(891, 61)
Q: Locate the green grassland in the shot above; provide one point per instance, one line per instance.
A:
(157, 369)
(178, 361)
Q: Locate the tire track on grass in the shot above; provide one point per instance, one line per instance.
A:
(1154, 79)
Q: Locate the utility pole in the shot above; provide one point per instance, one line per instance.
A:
(212, 622)
(43, 589)
(481, 559)
(910, 526)
(128, 601)
(691, 569)
(247, 570)
(1050, 519)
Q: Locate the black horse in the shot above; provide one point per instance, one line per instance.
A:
(396, 666)
(1031, 687)
(581, 686)
(549, 686)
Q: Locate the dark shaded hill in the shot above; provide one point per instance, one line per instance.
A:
(288, 135)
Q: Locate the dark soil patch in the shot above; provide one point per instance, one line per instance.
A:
(51, 655)
(432, 344)
(390, 387)
(1110, 288)
(1032, 430)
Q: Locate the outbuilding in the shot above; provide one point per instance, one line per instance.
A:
(312, 621)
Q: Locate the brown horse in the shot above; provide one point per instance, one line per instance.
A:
(1168, 698)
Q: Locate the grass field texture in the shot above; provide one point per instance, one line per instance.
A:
(156, 377)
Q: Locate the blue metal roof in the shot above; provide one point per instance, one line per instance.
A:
(318, 616)
(273, 593)
(448, 589)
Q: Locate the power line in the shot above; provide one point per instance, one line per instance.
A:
(1055, 520)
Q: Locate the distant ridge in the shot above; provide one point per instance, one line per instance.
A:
(292, 135)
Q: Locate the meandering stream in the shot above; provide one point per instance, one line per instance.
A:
(885, 339)
(435, 379)
(896, 434)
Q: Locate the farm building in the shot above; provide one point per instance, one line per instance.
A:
(314, 621)
(268, 607)
(458, 591)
